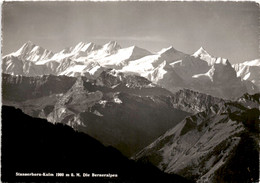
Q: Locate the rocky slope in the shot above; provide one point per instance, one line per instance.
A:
(219, 144)
(194, 102)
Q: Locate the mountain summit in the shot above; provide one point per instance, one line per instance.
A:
(111, 47)
(249, 71)
(201, 52)
(31, 52)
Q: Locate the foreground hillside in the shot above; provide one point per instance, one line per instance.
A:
(32, 145)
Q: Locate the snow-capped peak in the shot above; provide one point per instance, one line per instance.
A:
(137, 51)
(28, 43)
(66, 50)
(112, 44)
(111, 47)
(32, 52)
(255, 62)
(81, 49)
(89, 47)
(170, 54)
(80, 46)
(204, 55)
(165, 50)
(249, 70)
(28, 46)
(223, 61)
(201, 51)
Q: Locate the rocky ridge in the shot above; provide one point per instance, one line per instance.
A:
(206, 146)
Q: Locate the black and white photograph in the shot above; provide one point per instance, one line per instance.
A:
(130, 91)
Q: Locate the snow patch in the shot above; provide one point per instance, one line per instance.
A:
(118, 101)
(103, 103)
(98, 113)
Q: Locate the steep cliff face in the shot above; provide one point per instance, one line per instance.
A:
(205, 145)
(194, 102)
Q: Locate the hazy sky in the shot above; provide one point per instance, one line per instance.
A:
(226, 29)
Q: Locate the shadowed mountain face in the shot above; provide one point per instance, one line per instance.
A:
(34, 145)
(219, 144)
(21, 88)
(127, 112)
(194, 102)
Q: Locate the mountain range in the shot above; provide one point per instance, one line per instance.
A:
(169, 68)
(194, 115)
